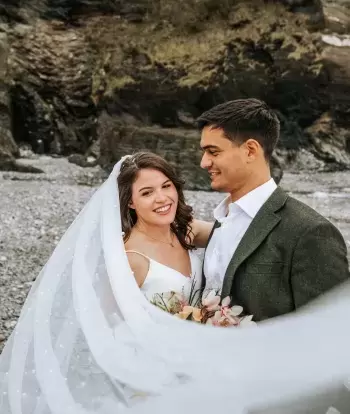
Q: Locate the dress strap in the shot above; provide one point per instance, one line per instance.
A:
(141, 254)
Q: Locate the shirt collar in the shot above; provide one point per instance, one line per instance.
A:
(250, 203)
(222, 209)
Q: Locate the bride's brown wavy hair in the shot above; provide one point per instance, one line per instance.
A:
(129, 171)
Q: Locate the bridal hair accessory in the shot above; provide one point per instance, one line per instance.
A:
(130, 158)
(125, 157)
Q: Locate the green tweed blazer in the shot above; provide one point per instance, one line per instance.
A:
(289, 255)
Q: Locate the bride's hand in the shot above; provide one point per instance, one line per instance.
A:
(200, 232)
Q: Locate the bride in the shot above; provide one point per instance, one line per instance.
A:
(88, 340)
(159, 231)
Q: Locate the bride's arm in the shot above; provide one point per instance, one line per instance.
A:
(201, 231)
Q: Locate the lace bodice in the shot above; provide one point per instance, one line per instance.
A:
(161, 278)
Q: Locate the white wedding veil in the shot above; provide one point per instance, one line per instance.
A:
(87, 341)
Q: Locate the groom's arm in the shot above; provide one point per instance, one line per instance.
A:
(319, 263)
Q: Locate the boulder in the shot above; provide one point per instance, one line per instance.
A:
(336, 60)
(82, 161)
(337, 16)
(330, 142)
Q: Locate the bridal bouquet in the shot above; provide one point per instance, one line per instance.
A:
(206, 309)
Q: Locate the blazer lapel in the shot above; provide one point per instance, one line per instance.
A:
(263, 223)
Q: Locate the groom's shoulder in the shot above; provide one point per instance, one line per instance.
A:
(301, 213)
(298, 219)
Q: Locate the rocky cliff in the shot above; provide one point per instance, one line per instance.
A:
(8, 148)
(104, 77)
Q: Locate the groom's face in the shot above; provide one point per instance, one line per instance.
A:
(225, 161)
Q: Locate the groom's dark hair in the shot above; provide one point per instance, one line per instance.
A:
(243, 119)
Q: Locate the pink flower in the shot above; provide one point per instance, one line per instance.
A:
(234, 311)
(226, 302)
(220, 319)
(212, 321)
(247, 321)
(211, 301)
(226, 314)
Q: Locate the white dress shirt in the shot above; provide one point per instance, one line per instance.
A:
(235, 219)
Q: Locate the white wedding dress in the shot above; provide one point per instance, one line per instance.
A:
(161, 278)
(88, 341)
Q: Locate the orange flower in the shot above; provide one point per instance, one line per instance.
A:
(188, 311)
(197, 314)
(185, 313)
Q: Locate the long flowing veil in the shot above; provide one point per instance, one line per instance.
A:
(87, 341)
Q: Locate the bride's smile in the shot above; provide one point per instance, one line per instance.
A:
(163, 210)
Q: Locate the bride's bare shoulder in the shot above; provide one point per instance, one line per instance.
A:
(138, 261)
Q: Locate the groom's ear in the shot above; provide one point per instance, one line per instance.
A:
(253, 149)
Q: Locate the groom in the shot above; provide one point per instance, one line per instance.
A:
(268, 251)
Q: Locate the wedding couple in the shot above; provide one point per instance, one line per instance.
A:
(269, 252)
(89, 340)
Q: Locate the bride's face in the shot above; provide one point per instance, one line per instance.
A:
(154, 198)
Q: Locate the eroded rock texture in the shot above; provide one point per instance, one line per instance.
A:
(84, 73)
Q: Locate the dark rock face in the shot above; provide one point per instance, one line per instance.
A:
(69, 9)
(26, 11)
(267, 52)
(154, 66)
(51, 89)
(8, 147)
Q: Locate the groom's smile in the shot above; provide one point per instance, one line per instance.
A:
(223, 159)
(213, 174)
